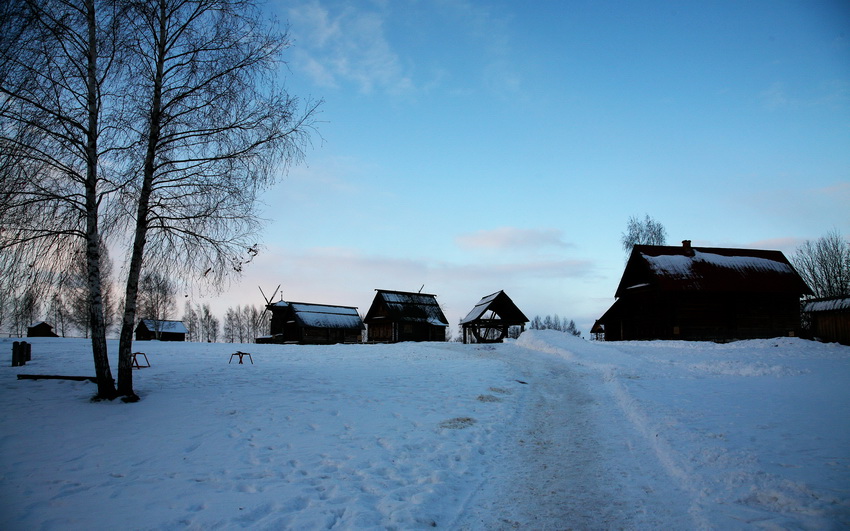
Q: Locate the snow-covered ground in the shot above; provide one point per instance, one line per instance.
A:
(545, 432)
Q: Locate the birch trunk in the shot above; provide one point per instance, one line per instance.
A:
(125, 345)
(105, 383)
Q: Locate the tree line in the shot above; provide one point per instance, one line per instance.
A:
(553, 322)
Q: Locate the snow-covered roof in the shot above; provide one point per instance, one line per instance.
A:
(171, 327)
(403, 306)
(325, 316)
(688, 268)
(499, 303)
(827, 305)
(683, 266)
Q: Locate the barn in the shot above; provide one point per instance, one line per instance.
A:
(41, 329)
(314, 324)
(705, 293)
(161, 330)
(491, 318)
(829, 319)
(403, 316)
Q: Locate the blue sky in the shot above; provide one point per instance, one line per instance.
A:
(476, 146)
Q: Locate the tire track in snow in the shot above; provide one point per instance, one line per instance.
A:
(556, 468)
(671, 463)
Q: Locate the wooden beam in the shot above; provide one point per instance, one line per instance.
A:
(92, 379)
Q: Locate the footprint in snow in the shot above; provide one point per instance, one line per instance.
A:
(457, 423)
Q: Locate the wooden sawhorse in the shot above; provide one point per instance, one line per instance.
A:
(136, 360)
(241, 355)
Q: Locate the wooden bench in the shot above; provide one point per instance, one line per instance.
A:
(241, 355)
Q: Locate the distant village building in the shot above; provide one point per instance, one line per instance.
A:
(490, 319)
(41, 329)
(829, 319)
(308, 323)
(403, 316)
(161, 330)
(704, 293)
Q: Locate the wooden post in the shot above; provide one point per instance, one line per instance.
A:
(17, 354)
(27, 352)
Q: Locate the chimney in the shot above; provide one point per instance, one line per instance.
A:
(686, 245)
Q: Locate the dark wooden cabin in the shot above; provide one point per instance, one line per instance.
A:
(402, 316)
(705, 293)
(314, 324)
(41, 329)
(829, 319)
(161, 330)
(490, 319)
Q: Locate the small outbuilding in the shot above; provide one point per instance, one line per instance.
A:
(308, 323)
(829, 319)
(490, 319)
(41, 329)
(705, 293)
(161, 330)
(403, 316)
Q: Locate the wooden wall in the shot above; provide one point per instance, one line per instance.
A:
(832, 327)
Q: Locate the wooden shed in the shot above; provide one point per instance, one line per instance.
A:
(161, 330)
(403, 316)
(829, 319)
(705, 293)
(314, 324)
(41, 329)
(490, 319)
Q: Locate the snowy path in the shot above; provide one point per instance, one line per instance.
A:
(563, 464)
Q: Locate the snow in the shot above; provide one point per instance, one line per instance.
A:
(479, 309)
(829, 305)
(547, 431)
(679, 266)
(323, 316)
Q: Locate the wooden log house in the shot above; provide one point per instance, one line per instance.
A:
(314, 324)
(829, 319)
(161, 330)
(404, 316)
(705, 293)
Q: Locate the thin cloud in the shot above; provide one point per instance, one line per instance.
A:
(508, 238)
(347, 45)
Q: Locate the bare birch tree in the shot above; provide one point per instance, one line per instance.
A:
(646, 231)
(214, 130)
(56, 60)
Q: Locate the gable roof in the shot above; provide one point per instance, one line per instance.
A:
(499, 303)
(716, 269)
(403, 306)
(312, 315)
(171, 327)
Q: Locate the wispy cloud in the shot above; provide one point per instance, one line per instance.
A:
(507, 238)
(834, 94)
(346, 45)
